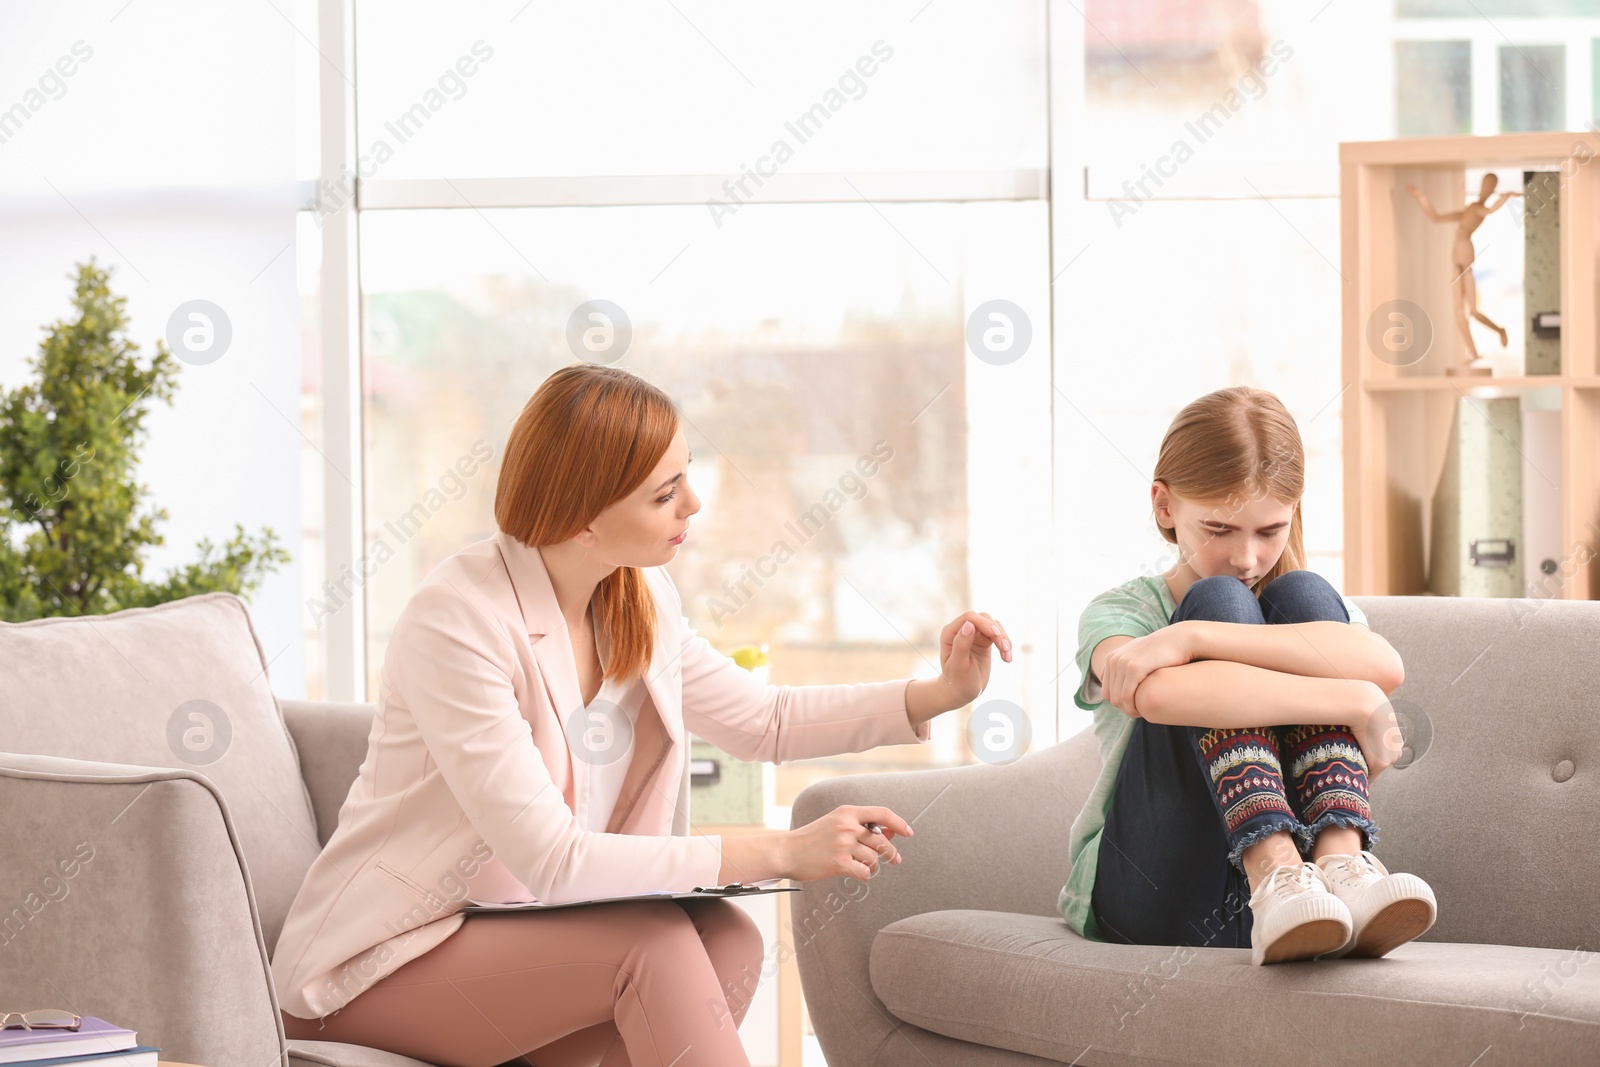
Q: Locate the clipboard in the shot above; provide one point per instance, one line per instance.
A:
(735, 889)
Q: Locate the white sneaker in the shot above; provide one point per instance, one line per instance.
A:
(1387, 910)
(1296, 916)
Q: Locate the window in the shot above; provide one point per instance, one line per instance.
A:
(1433, 88)
(631, 87)
(1486, 68)
(801, 275)
(160, 140)
(1533, 87)
(1155, 192)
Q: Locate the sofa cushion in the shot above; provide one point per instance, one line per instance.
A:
(1500, 701)
(1029, 984)
(182, 684)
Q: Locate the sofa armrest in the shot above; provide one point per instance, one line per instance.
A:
(331, 739)
(126, 896)
(991, 838)
(304, 1053)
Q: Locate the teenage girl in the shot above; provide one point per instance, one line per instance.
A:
(1241, 708)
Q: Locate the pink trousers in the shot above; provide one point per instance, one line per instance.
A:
(637, 983)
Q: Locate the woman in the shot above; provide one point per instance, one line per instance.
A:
(529, 745)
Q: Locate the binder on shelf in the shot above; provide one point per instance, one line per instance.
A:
(1541, 502)
(727, 791)
(1541, 271)
(1477, 547)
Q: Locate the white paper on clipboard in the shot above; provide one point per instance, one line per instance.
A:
(737, 889)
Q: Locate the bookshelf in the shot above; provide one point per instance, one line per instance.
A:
(1398, 412)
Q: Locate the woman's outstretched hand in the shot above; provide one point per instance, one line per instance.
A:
(843, 842)
(964, 654)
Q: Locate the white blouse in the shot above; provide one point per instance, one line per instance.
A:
(606, 746)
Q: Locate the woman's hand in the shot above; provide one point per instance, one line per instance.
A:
(963, 667)
(842, 843)
(1129, 664)
(964, 654)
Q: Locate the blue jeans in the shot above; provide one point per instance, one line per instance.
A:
(1188, 800)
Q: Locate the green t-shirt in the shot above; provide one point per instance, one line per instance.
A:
(1136, 609)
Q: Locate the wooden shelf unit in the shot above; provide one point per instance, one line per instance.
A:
(1397, 418)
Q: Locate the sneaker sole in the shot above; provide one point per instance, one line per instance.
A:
(1307, 941)
(1392, 927)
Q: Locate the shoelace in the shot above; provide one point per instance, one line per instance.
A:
(1358, 868)
(1287, 880)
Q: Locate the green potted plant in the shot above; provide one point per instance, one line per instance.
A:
(72, 528)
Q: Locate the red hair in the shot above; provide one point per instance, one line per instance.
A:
(589, 436)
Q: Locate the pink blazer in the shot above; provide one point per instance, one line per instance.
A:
(468, 787)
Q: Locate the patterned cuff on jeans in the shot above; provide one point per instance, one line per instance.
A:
(1307, 835)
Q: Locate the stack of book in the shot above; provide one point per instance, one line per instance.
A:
(95, 1042)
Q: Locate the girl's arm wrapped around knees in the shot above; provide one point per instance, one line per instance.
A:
(1227, 695)
(1219, 694)
(1316, 651)
(1321, 649)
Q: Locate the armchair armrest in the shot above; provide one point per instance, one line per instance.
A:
(990, 838)
(124, 894)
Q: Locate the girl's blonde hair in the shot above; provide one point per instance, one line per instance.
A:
(588, 437)
(1231, 447)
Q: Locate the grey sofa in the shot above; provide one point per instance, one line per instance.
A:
(958, 956)
(158, 811)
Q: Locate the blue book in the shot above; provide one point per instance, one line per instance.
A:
(138, 1056)
(93, 1036)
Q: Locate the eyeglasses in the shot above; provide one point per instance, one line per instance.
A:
(45, 1019)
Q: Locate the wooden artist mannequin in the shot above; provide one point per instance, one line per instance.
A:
(1464, 286)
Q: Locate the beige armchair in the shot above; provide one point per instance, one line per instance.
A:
(160, 811)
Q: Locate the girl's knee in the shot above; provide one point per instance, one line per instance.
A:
(1220, 598)
(1301, 579)
(1302, 596)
